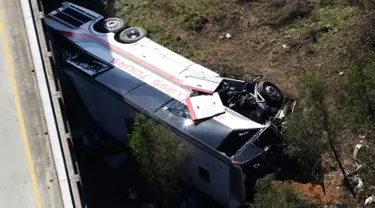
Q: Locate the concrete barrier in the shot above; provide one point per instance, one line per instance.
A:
(51, 102)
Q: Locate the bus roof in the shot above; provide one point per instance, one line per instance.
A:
(151, 76)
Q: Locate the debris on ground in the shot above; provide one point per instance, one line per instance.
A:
(358, 184)
(357, 147)
(227, 36)
(370, 200)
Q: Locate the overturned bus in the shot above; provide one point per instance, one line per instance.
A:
(229, 125)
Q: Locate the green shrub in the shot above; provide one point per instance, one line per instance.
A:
(360, 89)
(322, 122)
(276, 195)
(303, 139)
(304, 133)
(159, 154)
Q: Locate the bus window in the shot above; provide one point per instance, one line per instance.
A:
(86, 63)
(204, 174)
(72, 17)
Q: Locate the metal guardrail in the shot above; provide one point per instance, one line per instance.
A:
(53, 105)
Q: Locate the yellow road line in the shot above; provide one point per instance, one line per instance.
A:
(9, 63)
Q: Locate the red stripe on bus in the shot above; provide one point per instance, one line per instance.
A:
(131, 56)
(191, 109)
(197, 89)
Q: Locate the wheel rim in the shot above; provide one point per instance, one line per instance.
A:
(112, 24)
(272, 92)
(133, 34)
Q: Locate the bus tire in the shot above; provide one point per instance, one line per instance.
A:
(112, 24)
(271, 93)
(132, 34)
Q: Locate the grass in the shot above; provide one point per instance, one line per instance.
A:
(335, 17)
(193, 29)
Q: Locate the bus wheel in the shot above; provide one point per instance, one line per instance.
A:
(112, 24)
(271, 93)
(132, 34)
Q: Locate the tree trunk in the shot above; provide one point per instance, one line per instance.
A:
(346, 179)
(330, 135)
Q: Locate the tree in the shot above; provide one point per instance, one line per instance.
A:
(303, 141)
(159, 154)
(317, 91)
(319, 121)
(276, 195)
(361, 89)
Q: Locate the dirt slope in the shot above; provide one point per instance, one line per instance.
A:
(282, 39)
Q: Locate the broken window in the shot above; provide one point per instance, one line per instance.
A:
(88, 64)
(179, 109)
(204, 174)
(268, 137)
(235, 141)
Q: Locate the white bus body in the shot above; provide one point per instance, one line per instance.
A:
(146, 77)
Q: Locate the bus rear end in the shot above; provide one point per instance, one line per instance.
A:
(71, 15)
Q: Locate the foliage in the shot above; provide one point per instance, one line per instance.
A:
(332, 14)
(325, 120)
(319, 97)
(314, 88)
(303, 141)
(158, 153)
(360, 89)
(276, 195)
(361, 107)
(304, 131)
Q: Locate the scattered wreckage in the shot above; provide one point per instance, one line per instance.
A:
(357, 181)
(229, 125)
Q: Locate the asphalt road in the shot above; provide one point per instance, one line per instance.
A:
(27, 173)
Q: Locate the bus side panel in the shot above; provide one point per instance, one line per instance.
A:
(237, 186)
(203, 171)
(208, 174)
(109, 112)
